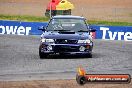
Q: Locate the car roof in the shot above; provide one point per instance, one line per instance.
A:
(68, 16)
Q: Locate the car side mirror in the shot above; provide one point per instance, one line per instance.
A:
(42, 28)
(92, 29)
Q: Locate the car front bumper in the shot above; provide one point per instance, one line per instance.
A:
(66, 48)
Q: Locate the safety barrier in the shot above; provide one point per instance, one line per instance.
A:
(31, 28)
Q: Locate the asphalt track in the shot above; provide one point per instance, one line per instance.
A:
(19, 60)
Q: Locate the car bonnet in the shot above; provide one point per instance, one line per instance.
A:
(56, 35)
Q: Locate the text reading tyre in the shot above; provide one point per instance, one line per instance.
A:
(66, 35)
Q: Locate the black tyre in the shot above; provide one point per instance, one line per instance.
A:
(81, 80)
(89, 55)
(42, 55)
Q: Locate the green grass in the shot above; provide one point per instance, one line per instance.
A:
(24, 18)
(110, 23)
(44, 19)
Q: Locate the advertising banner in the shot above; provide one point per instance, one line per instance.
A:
(113, 32)
(20, 28)
(31, 28)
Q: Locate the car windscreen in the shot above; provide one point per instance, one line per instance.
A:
(73, 24)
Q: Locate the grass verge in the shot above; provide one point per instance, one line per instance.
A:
(110, 23)
(24, 18)
(44, 19)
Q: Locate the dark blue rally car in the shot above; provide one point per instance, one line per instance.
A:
(66, 35)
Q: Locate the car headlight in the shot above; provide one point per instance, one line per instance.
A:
(47, 40)
(84, 41)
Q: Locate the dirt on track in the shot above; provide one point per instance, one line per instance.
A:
(112, 10)
(58, 84)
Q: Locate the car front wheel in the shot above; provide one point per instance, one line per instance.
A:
(89, 55)
(42, 55)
